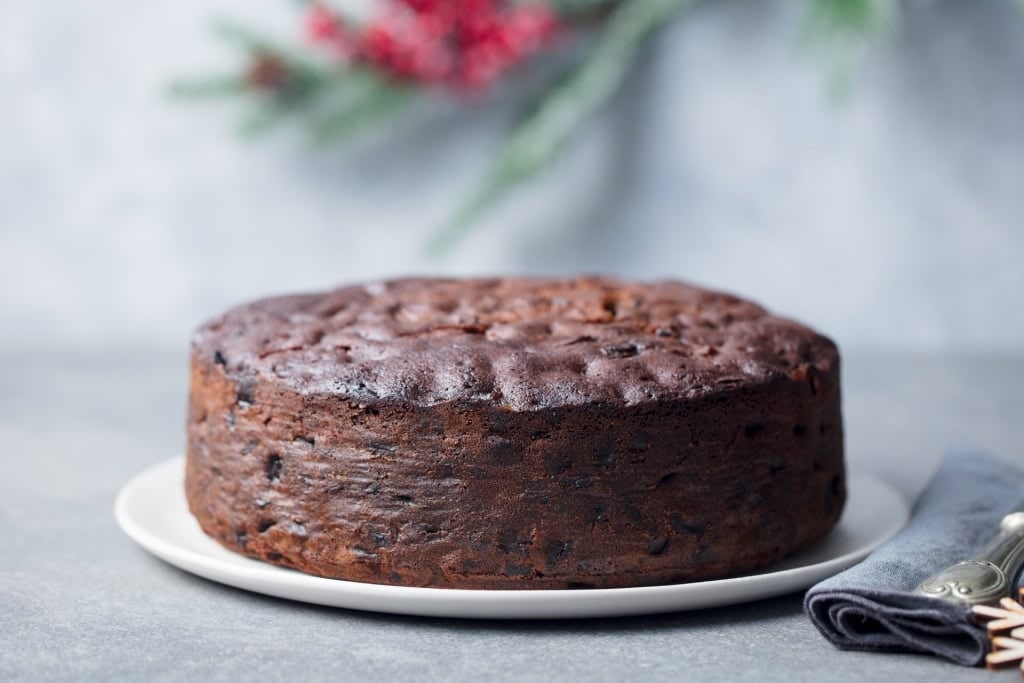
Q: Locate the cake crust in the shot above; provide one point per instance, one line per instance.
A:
(514, 433)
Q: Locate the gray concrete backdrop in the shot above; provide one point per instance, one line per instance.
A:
(891, 220)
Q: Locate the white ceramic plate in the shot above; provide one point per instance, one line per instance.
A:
(151, 509)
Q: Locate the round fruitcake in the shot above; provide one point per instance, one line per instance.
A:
(514, 433)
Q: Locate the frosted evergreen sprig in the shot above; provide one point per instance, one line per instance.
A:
(538, 139)
(352, 73)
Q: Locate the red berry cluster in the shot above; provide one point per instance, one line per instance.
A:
(466, 44)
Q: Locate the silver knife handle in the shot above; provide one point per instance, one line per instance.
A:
(988, 576)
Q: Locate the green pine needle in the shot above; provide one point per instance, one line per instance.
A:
(539, 138)
(856, 16)
(336, 103)
(365, 99)
(253, 42)
(261, 120)
(570, 8)
(218, 86)
(837, 30)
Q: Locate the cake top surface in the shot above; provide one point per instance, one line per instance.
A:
(521, 343)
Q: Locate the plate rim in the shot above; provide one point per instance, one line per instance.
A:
(280, 582)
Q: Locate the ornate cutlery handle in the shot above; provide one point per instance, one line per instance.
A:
(987, 577)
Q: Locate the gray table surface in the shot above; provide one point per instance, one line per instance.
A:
(79, 601)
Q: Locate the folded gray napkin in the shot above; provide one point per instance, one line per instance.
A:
(872, 607)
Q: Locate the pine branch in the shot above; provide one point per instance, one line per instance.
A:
(262, 119)
(571, 8)
(216, 86)
(857, 16)
(838, 29)
(366, 99)
(255, 43)
(538, 139)
(335, 102)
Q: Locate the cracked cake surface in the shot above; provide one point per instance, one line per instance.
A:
(514, 433)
